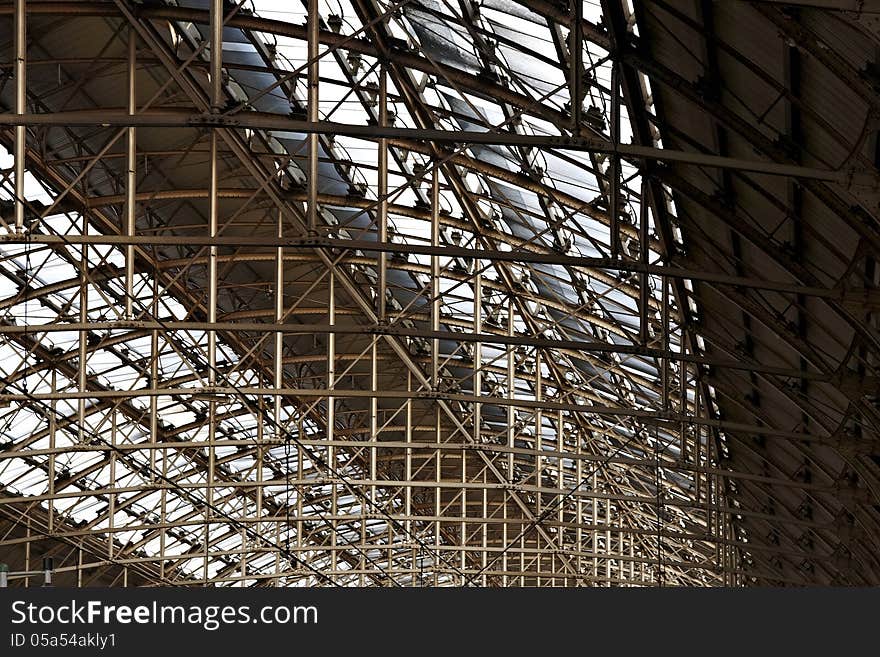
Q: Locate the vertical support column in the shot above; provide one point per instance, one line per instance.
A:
(111, 499)
(576, 73)
(362, 565)
(632, 563)
(435, 277)
(620, 576)
(300, 462)
(505, 580)
(212, 343)
(664, 362)
(484, 561)
(382, 193)
(697, 465)
(438, 475)
(216, 55)
(277, 555)
(154, 380)
(478, 407)
(52, 434)
(27, 552)
(579, 505)
(682, 392)
(312, 45)
(374, 421)
(216, 107)
(278, 368)
(478, 351)
(435, 353)
(614, 169)
(408, 472)
(712, 515)
(20, 109)
(538, 559)
(130, 176)
(463, 528)
(708, 478)
(539, 447)
(724, 562)
(81, 374)
(511, 384)
(595, 517)
(644, 292)
(389, 555)
(331, 405)
(242, 558)
(260, 451)
(560, 479)
(608, 550)
(659, 486)
(163, 492)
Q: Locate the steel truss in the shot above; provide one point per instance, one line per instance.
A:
(357, 297)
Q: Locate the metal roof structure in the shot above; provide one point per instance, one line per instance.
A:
(440, 292)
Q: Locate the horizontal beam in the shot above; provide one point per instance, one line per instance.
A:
(396, 329)
(262, 121)
(248, 446)
(516, 255)
(666, 419)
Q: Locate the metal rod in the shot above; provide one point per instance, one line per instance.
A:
(855, 296)
(131, 176)
(213, 220)
(82, 344)
(331, 398)
(849, 178)
(478, 351)
(435, 278)
(614, 168)
(20, 110)
(644, 290)
(313, 114)
(576, 68)
(374, 421)
(278, 378)
(52, 457)
(382, 192)
(217, 56)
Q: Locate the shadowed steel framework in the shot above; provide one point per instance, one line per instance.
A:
(439, 292)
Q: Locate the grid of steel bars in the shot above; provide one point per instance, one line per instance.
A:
(441, 342)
